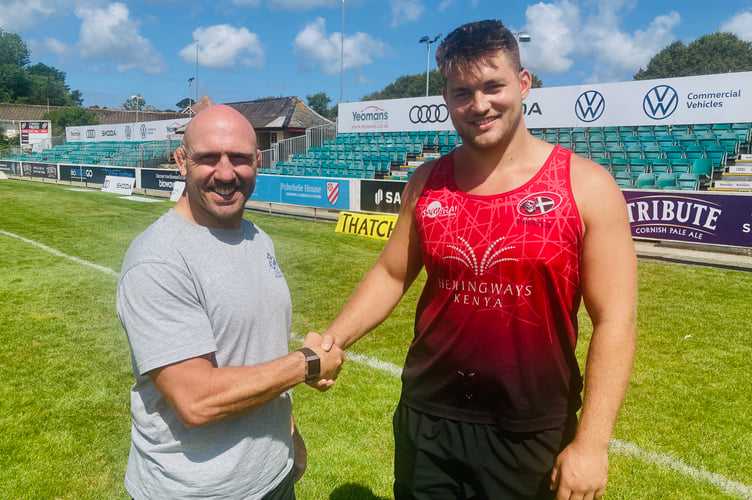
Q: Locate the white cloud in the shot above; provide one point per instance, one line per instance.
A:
(317, 49)
(740, 25)
(301, 5)
(57, 47)
(109, 34)
(554, 29)
(562, 35)
(18, 15)
(619, 54)
(405, 11)
(224, 47)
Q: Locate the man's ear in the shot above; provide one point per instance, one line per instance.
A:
(181, 160)
(526, 82)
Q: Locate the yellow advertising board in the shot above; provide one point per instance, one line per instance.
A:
(370, 225)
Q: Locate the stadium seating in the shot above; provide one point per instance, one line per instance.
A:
(122, 154)
(628, 152)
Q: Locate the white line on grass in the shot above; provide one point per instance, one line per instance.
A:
(383, 366)
(701, 475)
(61, 254)
(621, 447)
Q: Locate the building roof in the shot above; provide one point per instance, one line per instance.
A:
(28, 112)
(279, 113)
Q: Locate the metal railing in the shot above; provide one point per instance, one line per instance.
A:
(286, 148)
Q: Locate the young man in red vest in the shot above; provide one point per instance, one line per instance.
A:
(513, 233)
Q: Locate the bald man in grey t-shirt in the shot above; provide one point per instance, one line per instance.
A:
(207, 314)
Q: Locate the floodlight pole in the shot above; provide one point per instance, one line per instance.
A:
(196, 70)
(342, 55)
(190, 107)
(522, 37)
(428, 41)
(137, 97)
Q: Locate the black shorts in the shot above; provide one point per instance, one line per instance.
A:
(284, 490)
(441, 459)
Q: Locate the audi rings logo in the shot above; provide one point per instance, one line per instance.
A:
(143, 131)
(429, 113)
(128, 132)
(660, 102)
(590, 106)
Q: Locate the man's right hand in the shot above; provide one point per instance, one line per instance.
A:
(332, 357)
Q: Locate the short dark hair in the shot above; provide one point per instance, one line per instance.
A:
(476, 42)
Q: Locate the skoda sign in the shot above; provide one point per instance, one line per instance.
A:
(429, 113)
(660, 102)
(590, 106)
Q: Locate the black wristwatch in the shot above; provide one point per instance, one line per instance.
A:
(313, 364)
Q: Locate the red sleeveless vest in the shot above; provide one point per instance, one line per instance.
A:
(496, 324)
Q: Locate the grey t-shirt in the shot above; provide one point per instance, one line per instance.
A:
(185, 291)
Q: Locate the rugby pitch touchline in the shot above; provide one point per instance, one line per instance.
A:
(619, 447)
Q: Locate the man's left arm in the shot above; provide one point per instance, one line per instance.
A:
(609, 288)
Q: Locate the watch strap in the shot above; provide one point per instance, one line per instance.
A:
(313, 363)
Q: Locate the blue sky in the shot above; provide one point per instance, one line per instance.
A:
(251, 49)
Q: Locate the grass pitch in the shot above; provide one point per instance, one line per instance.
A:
(685, 430)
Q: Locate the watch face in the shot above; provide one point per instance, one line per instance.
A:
(313, 363)
(314, 368)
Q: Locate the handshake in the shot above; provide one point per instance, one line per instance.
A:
(331, 357)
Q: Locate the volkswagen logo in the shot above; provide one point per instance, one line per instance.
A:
(660, 102)
(429, 113)
(590, 106)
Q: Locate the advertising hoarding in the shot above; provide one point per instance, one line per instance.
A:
(721, 98)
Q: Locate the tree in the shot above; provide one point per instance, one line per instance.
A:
(134, 103)
(710, 54)
(410, 86)
(415, 86)
(184, 103)
(47, 86)
(15, 83)
(77, 98)
(37, 84)
(69, 117)
(320, 104)
(13, 50)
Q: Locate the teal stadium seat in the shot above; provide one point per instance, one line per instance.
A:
(646, 180)
(686, 140)
(688, 182)
(619, 165)
(730, 142)
(694, 151)
(666, 181)
(703, 169)
(680, 166)
(666, 140)
(717, 155)
(623, 180)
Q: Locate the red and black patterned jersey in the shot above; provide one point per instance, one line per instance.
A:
(496, 324)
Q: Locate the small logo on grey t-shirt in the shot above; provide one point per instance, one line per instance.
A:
(273, 265)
